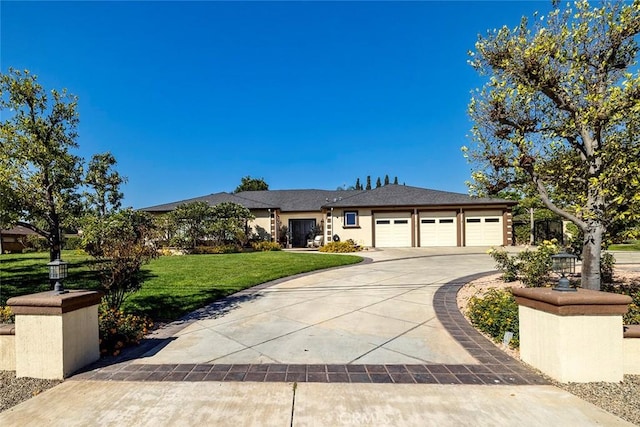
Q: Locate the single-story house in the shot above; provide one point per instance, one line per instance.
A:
(15, 239)
(387, 216)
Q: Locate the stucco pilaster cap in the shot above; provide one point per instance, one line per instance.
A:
(581, 302)
(52, 303)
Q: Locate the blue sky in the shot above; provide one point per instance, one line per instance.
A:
(192, 96)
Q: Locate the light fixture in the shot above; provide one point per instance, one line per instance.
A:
(58, 272)
(563, 264)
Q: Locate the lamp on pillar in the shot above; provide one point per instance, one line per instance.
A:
(563, 264)
(58, 272)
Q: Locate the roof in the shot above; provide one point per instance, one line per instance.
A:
(391, 195)
(19, 230)
(212, 200)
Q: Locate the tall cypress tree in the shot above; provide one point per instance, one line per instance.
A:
(378, 183)
(386, 180)
(368, 187)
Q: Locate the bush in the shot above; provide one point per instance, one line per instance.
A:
(530, 267)
(633, 290)
(218, 249)
(266, 246)
(495, 313)
(6, 316)
(119, 330)
(340, 247)
(73, 243)
(607, 261)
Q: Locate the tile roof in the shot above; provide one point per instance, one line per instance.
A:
(391, 195)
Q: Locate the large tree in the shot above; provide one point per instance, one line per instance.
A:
(560, 112)
(104, 184)
(40, 175)
(251, 184)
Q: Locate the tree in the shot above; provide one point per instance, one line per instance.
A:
(561, 112)
(120, 243)
(368, 187)
(105, 184)
(230, 223)
(358, 185)
(378, 183)
(395, 181)
(251, 184)
(191, 222)
(40, 175)
(386, 180)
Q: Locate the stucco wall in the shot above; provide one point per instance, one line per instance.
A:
(362, 234)
(261, 223)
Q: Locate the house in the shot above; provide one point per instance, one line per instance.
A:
(387, 216)
(15, 239)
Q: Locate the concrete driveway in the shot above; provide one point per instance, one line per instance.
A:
(380, 343)
(373, 313)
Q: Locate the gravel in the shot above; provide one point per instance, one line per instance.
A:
(15, 390)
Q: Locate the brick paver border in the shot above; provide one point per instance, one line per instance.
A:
(495, 367)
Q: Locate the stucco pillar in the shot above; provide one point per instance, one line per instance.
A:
(572, 336)
(56, 334)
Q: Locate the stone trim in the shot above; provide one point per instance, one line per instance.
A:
(631, 331)
(583, 302)
(8, 329)
(50, 303)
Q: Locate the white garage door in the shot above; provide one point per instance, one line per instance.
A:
(438, 229)
(393, 230)
(484, 228)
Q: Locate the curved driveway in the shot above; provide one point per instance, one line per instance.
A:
(379, 312)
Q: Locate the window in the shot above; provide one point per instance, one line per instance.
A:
(428, 221)
(446, 221)
(383, 222)
(351, 219)
(401, 221)
(492, 220)
(470, 220)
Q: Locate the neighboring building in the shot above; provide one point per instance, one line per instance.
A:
(15, 239)
(387, 216)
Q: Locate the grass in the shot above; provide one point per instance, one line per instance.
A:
(175, 285)
(631, 245)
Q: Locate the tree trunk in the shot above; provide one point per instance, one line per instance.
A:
(591, 252)
(532, 227)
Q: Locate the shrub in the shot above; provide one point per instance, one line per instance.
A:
(633, 290)
(340, 247)
(73, 243)
(607, 261)
(495, 313)
(6, 316)
(119, 330)
(266, 246)
(218, 249)
(531, 267)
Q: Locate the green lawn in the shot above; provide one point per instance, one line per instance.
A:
(632, 245)
(175, 285)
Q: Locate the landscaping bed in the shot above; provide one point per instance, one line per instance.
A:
(620, 399)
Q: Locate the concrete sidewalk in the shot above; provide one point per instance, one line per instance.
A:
(381, 343)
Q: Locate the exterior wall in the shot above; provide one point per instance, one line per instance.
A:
(631, 356)
(362, 234)
(262, 223)
(7, 348)
(581, 348)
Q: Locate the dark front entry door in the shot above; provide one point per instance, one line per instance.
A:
(300, 230)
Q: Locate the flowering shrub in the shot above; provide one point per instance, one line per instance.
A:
(340, 247)
(495, 313)
(119, 330)
(6, 316)
(266, 246)
(531, 267)
(218, 249)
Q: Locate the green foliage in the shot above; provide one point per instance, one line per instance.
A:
(40, 176)
(6, 316)
(190, 223)
(251, 184)
(340, 247)
(541, 122)
(266, 246)
(230, 223)
(119, 330)
(37, 242)
(530, 267)
(632, 317)
(119, 242)
(631, 245)
(72, 243)
(607, 262)
(217, 249)
(495, 313)
(105, 183)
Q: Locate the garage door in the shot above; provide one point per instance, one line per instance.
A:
(438, 229)
(484, 228)
(393, 230)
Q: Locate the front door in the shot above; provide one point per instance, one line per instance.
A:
(300, 231)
